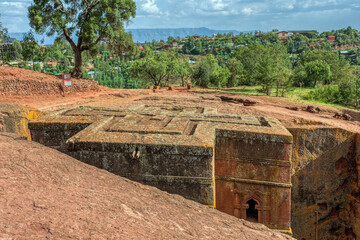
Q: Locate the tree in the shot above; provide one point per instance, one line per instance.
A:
(318, 71)
(17, 49)
(157, 68)
(3, 33)
(171, 39)
(204, 70)
(208, 73)
(300, 42)
(283, 81)
(352, 91)
(219, 77)
(290, 46)
(184, 71)
(270, 37)
(30, 48)
(189, 45)
(236, 68)
(262, 64)
(4, 44)
(338, 65)
(124, 47)
(90, 21)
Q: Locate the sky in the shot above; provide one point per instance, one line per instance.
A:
(241, 15)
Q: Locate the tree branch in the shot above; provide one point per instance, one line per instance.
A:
(87, 47)
(62, 9)
(67, 36)
(87, 16)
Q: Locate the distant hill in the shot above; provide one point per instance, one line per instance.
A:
(41, 39)
(146, 35)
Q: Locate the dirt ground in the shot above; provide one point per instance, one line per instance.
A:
(123, 98)
(18, 81)
(45, 194)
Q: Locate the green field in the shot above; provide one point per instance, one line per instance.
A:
(295, 95)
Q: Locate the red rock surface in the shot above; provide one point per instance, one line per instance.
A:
(45, 194)
(17, 81)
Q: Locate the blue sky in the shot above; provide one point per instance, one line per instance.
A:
(239, 15)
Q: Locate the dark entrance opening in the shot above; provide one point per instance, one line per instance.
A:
(252, 212)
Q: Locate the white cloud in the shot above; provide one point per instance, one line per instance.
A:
(220, 14)
(217, 4)
(14, 15)
(212, 5)
(150, 7)
(247, 11)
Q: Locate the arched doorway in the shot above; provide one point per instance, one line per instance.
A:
(252, 214)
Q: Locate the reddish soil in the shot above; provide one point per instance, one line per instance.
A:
(45, 194)
(17, 81)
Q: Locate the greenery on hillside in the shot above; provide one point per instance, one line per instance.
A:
(326, 65)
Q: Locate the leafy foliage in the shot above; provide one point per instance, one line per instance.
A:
(156, 68)
(327, 93)
(263, 64)
(90, 21)
(208, 73)
(338, 65)
(30, 48)
(236, 69)
(317, 71)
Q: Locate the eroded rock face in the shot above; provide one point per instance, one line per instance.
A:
(45, 194)
(239, 164)
(325, 181)
(14, 118)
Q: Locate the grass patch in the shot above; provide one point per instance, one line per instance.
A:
(295, 95)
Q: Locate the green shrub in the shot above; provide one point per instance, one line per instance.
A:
(327, 94)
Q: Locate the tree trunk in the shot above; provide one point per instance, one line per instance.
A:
(233, 80)
(77, 73)
(2, 54)
(356, 94)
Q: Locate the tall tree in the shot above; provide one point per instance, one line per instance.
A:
(318, 72)
(338, 65)
(4, 39)
(155, 68)
(30, 48)
(90, 21)
(124, 47)
(17, 49)
(184, 71)
(208, 73)
(236, 68)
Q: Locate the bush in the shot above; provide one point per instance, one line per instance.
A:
(327, 94)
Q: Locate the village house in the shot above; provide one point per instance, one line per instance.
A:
(167, 46)
(52, 64)
(332, 39)
(283, 34)
(314, 44)
(306, 33)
